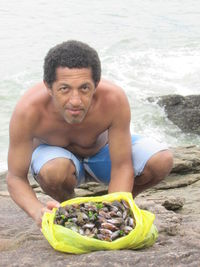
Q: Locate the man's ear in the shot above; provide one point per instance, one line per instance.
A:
(49, 89)
(96, 85)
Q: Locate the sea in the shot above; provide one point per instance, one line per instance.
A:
(149, 48)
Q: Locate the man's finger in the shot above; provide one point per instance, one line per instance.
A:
(45, 210)
(52, 204)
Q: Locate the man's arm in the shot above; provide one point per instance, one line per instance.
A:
(122, 174)
(19, 158)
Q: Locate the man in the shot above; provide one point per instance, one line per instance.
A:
(72, 123)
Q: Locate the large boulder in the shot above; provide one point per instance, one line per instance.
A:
(184, 111)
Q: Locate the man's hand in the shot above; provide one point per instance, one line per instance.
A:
(48, 208)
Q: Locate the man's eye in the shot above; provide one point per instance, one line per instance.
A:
(85, 87)
(64, 89)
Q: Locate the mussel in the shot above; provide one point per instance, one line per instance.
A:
(101, 220)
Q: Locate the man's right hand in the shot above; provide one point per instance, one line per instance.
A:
(48, 208)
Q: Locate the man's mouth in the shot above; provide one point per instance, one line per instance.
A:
(75, 111)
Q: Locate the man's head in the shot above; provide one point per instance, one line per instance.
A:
(73, 55)
(72, 72)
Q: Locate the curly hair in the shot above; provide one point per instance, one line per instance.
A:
(71, 54)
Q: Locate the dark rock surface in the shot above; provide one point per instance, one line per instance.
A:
(175, 202)
(182, 111)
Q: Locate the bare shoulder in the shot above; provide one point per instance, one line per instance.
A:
(28, 110)
(111, 88)
(112, 96)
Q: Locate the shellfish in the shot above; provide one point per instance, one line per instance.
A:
(101, 220)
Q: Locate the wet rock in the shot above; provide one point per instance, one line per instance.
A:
(182, 111)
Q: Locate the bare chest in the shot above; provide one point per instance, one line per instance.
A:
(83, 140)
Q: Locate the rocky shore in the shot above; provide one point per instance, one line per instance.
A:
(175, 202)
(183, 111)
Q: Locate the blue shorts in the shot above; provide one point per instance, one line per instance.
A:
(99, 165)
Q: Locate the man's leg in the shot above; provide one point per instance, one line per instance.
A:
(156, 169)
(57, 171)
(152, 162)
(58, 179)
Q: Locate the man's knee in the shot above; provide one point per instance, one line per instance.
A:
(160, 165)
(156, 168)
(165, 162)
(58, 172)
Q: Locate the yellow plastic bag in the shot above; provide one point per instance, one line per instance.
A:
(63, 239)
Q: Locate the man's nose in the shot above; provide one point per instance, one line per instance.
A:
(75, 99)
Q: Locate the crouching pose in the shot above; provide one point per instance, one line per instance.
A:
(75, 123)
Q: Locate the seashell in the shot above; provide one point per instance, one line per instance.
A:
(104, 214)
(109, 226)
(66, 213)
(105, 231)
(99, 236)
(90, 206)
(106, 203)
(67, 207)
(60, 211)
(95, 230)
(75, 206)
(103, 237)
(86, 204)
(116, 221)
(131, 222)
(114, 208)
(101, 219)
(81, 231)
(74, 220)
(115, 234)
(127, 229)
(113, 213)
(88, 225)
(118, 205)
(105, 221)
(126, 221)
(87, 232)
(125, 214)
(81, 217)
(83, 209)
(125, 204)
(110, 207)
(105, 209)
(119, 213)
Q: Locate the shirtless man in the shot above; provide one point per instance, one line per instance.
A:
(72, 123)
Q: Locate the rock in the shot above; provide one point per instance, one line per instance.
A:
(96, 188)
(182, 111)
(186, 160)
(175, 203)
(79, 192)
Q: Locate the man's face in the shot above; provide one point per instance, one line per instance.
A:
(72, 93)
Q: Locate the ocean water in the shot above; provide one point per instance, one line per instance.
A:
(149, 47)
